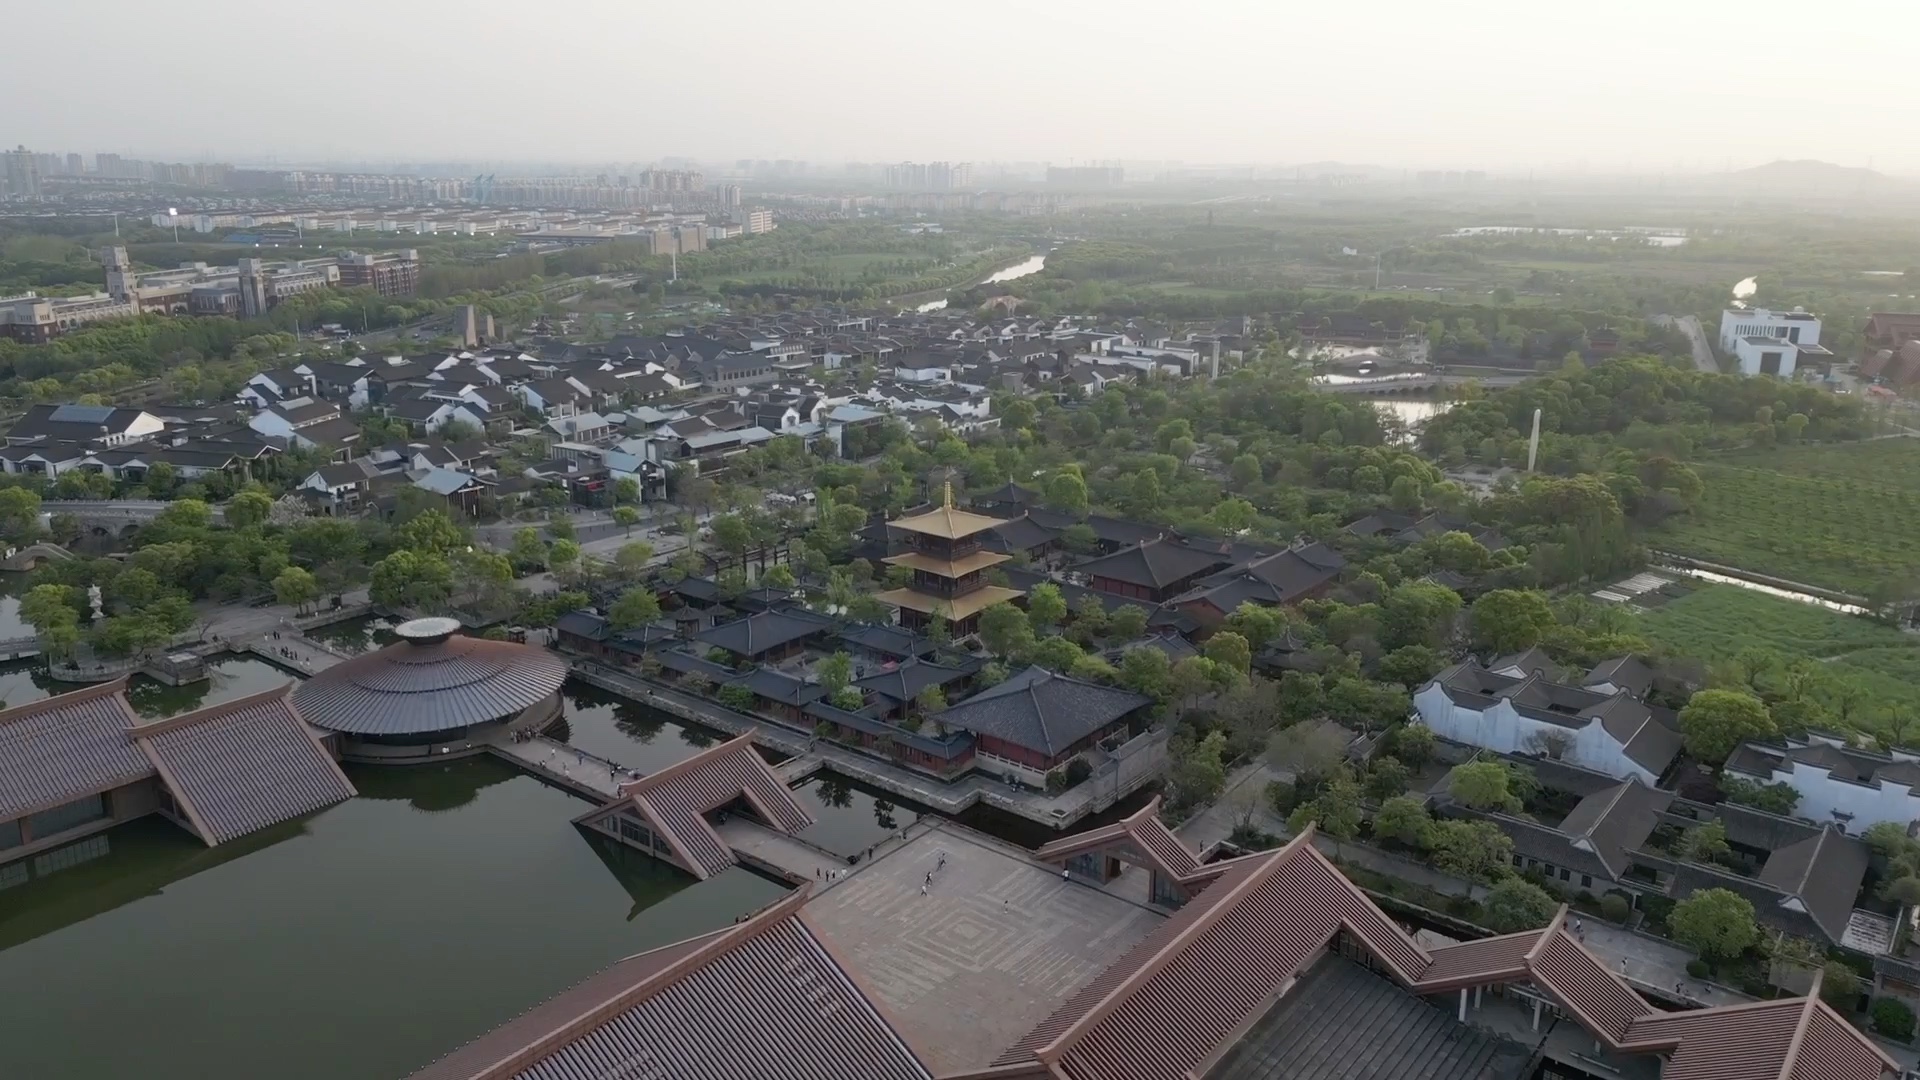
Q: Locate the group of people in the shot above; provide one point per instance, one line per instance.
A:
(926, 885)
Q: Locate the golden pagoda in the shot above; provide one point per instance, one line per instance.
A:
(949, 568)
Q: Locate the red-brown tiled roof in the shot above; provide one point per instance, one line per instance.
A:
(243, 765)
(66, 747)
(1142, 831)
(764, 999)
(677, 799)
(1797, 1039)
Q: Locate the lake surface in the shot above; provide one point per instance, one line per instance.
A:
(851, 816)
(230, 676)
(1018, 270)
(361, 942)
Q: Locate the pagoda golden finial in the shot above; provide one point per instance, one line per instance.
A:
(949, 494)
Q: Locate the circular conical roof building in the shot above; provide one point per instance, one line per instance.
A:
(433, 686)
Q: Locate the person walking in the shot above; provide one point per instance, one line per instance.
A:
(923, 889)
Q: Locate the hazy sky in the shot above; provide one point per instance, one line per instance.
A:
(1649, 84)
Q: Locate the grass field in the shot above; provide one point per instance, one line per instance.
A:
(1842, 517)
(1715, 622)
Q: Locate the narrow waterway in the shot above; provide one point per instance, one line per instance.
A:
(1020, 269)
(361, 942)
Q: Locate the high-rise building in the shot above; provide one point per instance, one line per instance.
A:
(23, 173)
(730, 196)
(108, 165)
(120, 277)
(390, 273)
(935, 176)
(76, 165)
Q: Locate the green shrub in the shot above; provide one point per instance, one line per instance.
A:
(1892, 1018)
(1078, 771)
(1056, 781)
(1614, 907)
(1282, 797)
(1699, 968)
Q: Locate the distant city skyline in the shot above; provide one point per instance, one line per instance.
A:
(1492, 84)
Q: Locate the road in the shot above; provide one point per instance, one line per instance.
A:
(1702, 351)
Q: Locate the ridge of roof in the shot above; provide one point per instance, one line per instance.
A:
(71, 697)
(1792, 1057)
(214, 712)
(717, 944)
(1217, 909)
(685, 765)
(1559, 920)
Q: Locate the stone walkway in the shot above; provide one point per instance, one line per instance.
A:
(800, 862)
(584, 774)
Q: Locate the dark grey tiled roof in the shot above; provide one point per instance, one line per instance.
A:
(66, 747)
(764, 630)
(1342, 1021)
(774, 686)
(891, 640)
(1824, 872)
(1042, 711)
(414, 688)
(244, 765)
(906, 681)
(1154, 565)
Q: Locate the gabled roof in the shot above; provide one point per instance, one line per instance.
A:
(905, 682)
(1042, 711)
(945, 521)
(766, 998)
(764, 630)
(243, 765)
(1822, 875)
(1142, 831)
(676, 800)
(1796, 1039)
(1153, 564)
(66, 747)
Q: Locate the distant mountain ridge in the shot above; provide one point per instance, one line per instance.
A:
(1809, 173)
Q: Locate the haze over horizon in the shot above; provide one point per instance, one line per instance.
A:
(1493, 84)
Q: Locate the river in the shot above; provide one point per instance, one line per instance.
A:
(1412, 411)
(1032, 265)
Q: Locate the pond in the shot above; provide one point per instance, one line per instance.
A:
(363, 941)
(230, 676)
(851, 816)
(621, 730)
(355, 636)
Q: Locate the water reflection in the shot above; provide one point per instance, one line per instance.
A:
(443, 901)
(851, 816)
(619, 729)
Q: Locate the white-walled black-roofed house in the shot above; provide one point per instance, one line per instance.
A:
(435, 693)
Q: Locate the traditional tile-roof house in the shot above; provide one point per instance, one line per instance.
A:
(1151, 572)
(1838, 783)
(1037, 720)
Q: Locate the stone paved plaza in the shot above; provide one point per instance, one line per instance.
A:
(997, 944)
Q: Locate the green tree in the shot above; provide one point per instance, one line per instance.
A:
(19, 514)
(1055, 654)
(49, 609)
(295, 588)
(626, 492)
(1128, 623)
(733, 535)
(1005, 630)
(1335, 811)
(1413, 744)
(835, 672)
(1517, 904)
(1066, 492)
(1310, 751)
(432, 531)
(1509, 620)
(1244, 472)
(528, 550)
(636, 607)
(1716, 923)
(1410, 666)
(626, 517)
(1199, 773)
(1045, 608)
(248, 509)
(1403, 818)
(563, 556)
(1705, 843)
(1386, 778)
(408, 578)
(779, 577)
(631, 560)
(1147, 671)
(1230, 651)
(1715, 722)
(1475, 850)
(1482, 785)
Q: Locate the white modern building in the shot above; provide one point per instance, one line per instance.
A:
(1837, 783)
(1770, 342)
